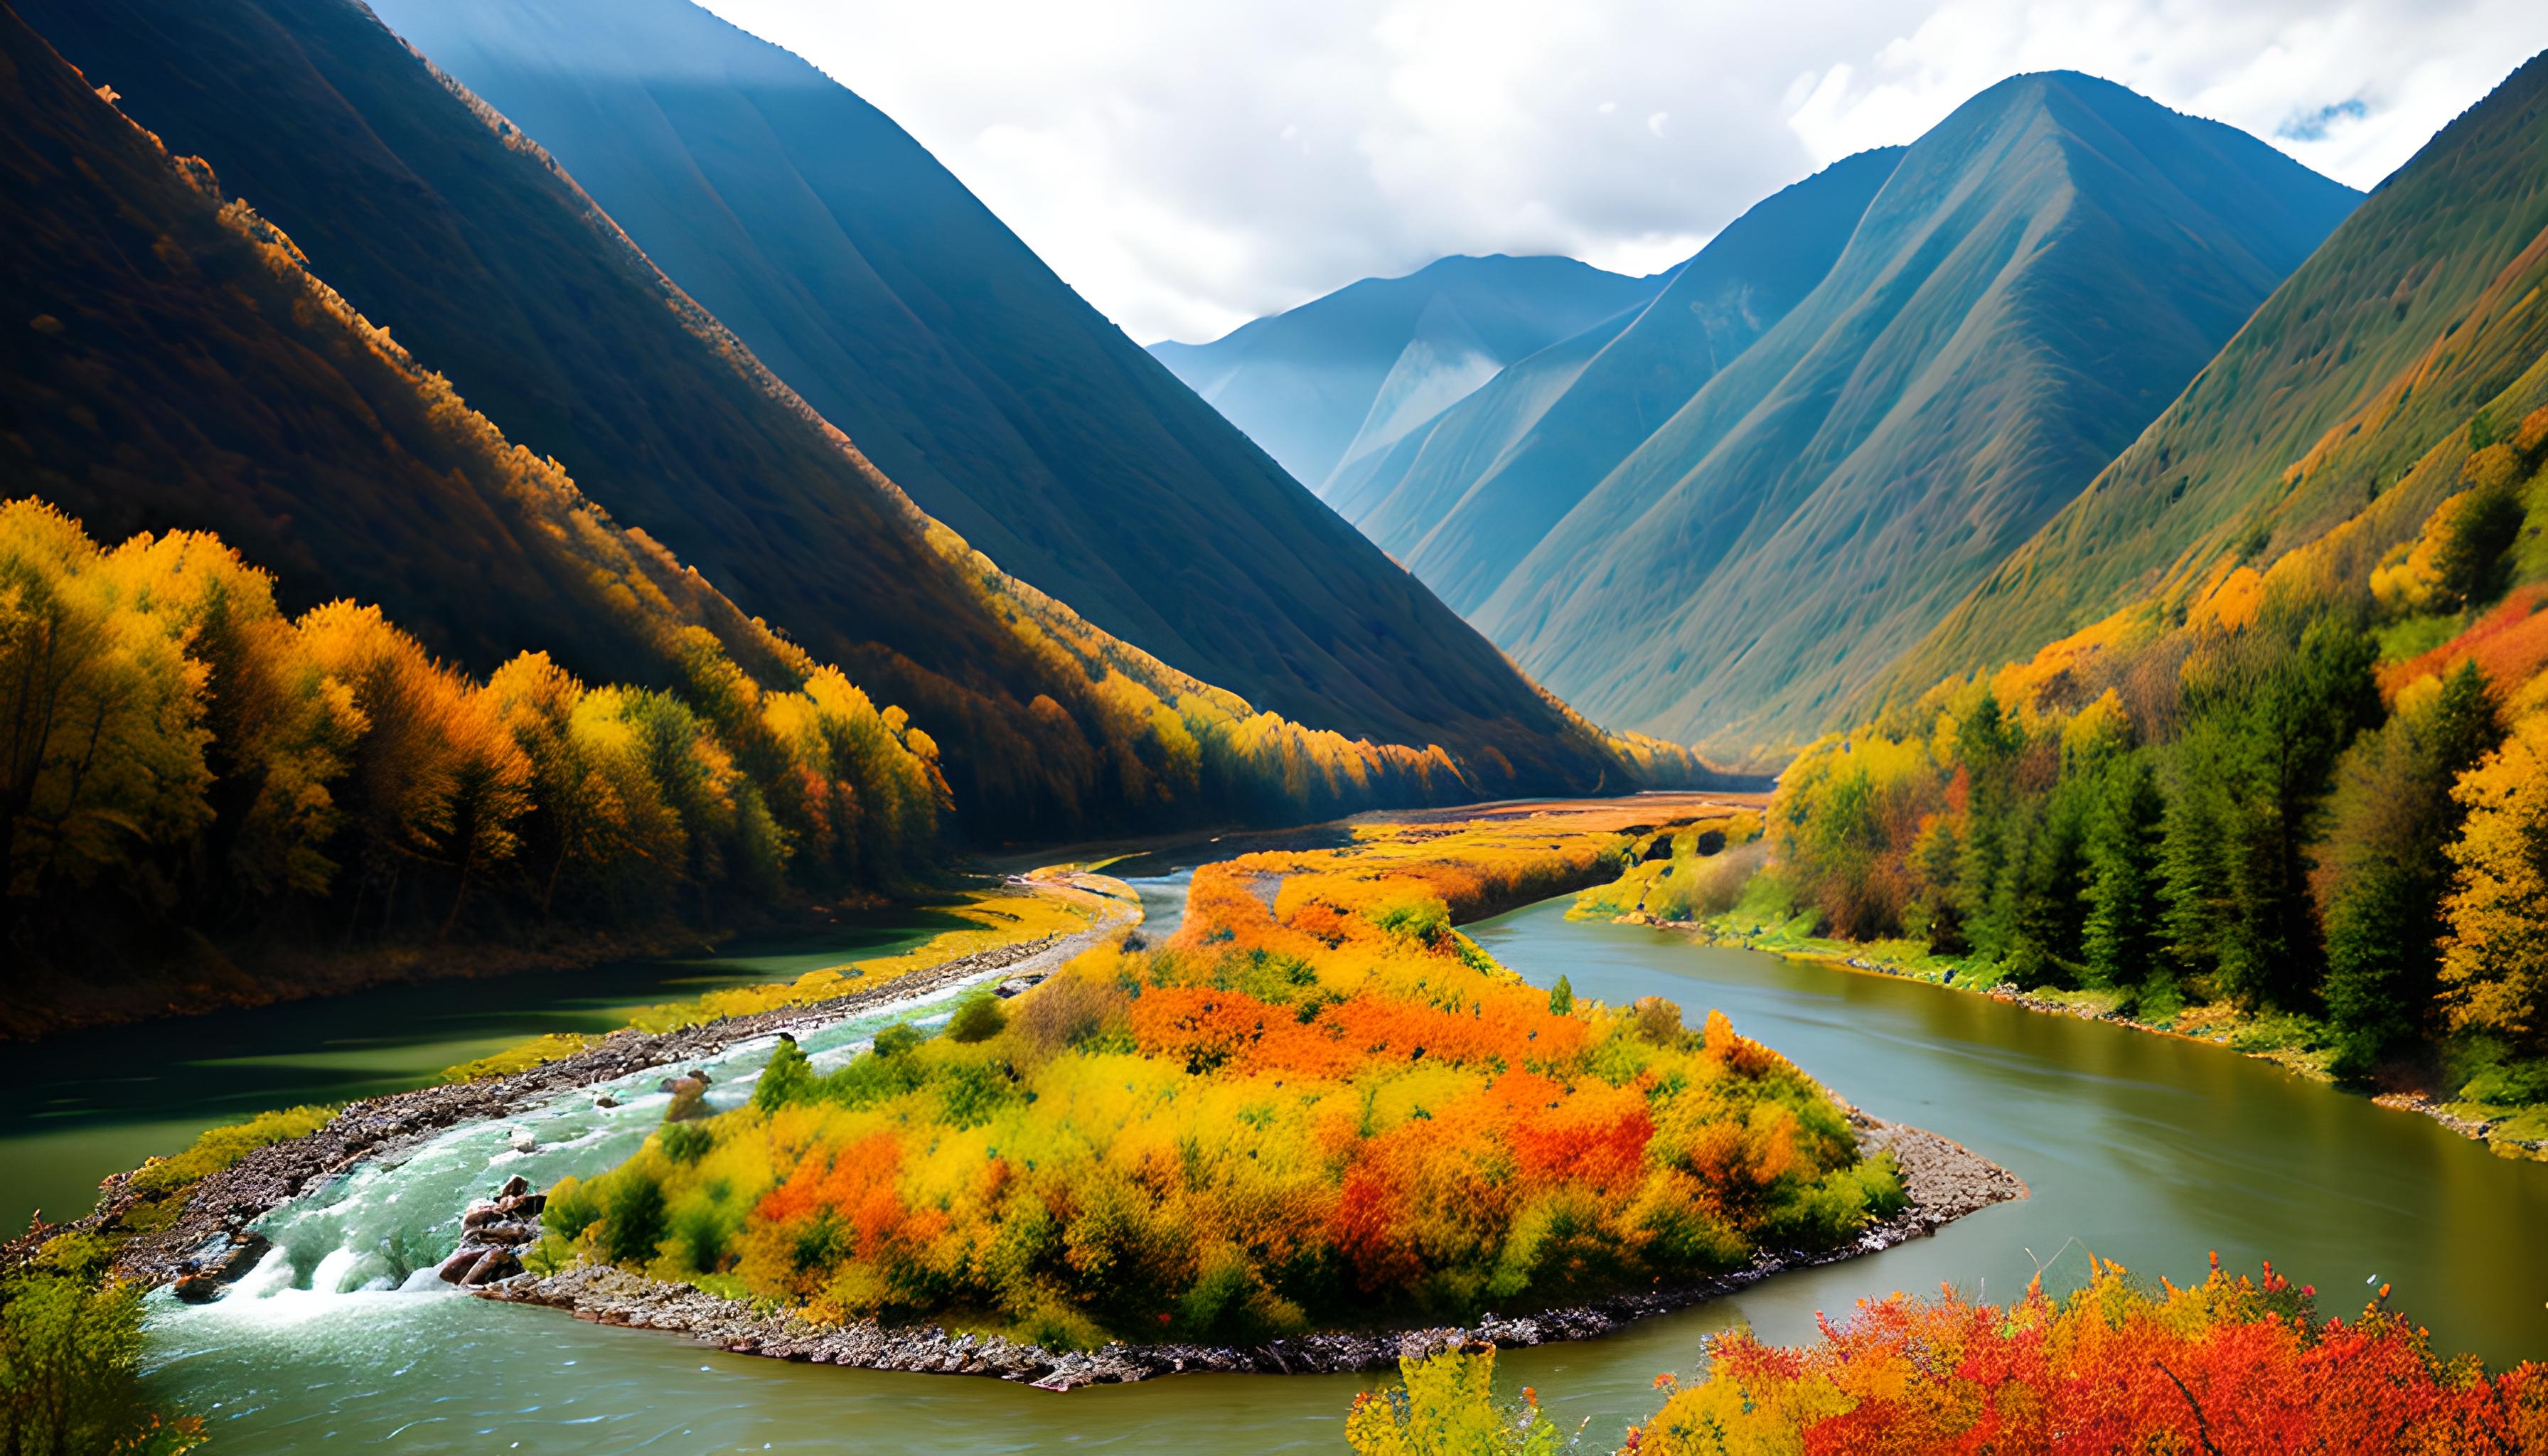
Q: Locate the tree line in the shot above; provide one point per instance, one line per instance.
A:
(173, 746)
(2314, 790)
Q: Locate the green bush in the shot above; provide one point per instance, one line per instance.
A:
(633, 1224)
(70, 1370)
(977, 1018)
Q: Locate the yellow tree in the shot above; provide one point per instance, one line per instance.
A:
(2495, 960)
(101, 736)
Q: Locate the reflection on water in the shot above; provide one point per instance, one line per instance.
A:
(94, 1103)
(2143, 1148)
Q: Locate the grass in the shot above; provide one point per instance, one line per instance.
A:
(982, 920)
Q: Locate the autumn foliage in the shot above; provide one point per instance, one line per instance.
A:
(2233, 1364)
(2307, 788)
(1317, 1105)
(174, 746)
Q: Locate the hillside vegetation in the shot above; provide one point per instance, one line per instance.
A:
(443, 219)
(2038, 276)
(2292, 792)
(1319, 1105)
(2415, 313)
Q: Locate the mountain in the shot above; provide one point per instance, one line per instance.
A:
(1461, 500)
(888, 298)
(429, 211)
(2036, 278)
(171, 363)
(1342, 378)
(2412, 319)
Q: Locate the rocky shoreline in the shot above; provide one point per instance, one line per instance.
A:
(208, 1241)
(1945, 1181)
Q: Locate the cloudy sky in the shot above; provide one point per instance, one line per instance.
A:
(1191, 164)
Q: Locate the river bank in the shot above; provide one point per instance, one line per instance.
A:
(2514, 1133)
(210, 1226)
(1946, 1182)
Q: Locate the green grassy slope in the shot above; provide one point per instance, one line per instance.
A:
(1464, 499)
(1342, 378)
(496, 270)
(2036, 280)
(2415, 313)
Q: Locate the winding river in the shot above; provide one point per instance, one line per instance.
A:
(2146, 1149)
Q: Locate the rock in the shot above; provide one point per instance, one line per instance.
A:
(699, 1077)
(514, 1187)
(511, 1235)
(521, 1140)
(523, 1204)
(605, 1100)
(457, 1267)
(493, 1265)
(218, 1264)
(690, 1100)
(480, 1215)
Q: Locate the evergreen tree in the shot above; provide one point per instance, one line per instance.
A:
(2276, 719)
(2120, 941)
(2395, 818)
(1987, 745)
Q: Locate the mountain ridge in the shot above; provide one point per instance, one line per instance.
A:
(1957, 374)
(1303, 382)
(2370, 326)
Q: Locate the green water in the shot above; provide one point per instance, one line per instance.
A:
(2143, 1149)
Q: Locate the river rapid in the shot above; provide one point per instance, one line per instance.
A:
(2145, 1149)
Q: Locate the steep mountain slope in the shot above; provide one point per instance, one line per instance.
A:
(1341, 379)
(866, 276)
(2034, 282)
(431, 211)
(1463, 499)
(169, 363)
(2415, 313)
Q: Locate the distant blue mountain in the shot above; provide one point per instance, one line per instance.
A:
(1341, 379)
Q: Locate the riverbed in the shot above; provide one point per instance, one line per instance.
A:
(2143, 1149)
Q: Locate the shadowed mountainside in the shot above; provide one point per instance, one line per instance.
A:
(866, 276)
(429, 211)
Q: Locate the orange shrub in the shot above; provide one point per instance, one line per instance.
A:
(2232, 1364)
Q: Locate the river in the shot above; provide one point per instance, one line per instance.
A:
(2146, 1149)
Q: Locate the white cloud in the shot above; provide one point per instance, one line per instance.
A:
(1188, 167)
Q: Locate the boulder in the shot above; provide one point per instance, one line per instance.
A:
(457, 1267)
(521, 1140)
(480, 1215)
(493, 1265)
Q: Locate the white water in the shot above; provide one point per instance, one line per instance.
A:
(382, 1227)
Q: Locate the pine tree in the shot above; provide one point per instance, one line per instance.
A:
(2120, 943)
(2394, 819)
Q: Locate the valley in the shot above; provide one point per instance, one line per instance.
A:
(657, 787)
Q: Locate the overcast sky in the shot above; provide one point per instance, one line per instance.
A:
(1191, 164)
